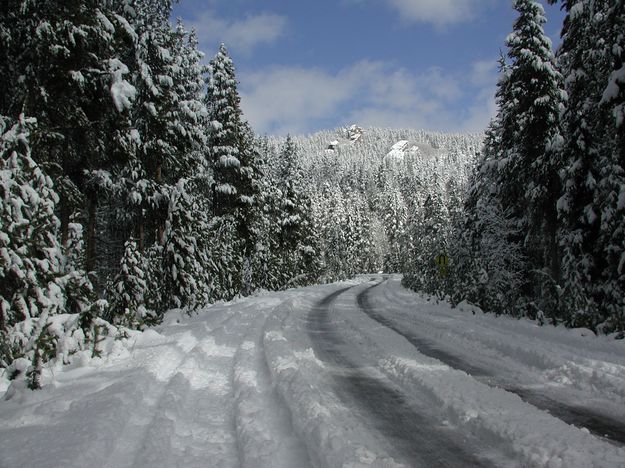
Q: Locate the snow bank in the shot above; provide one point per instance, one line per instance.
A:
(560, 359)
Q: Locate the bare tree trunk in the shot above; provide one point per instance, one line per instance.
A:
(141, 234)
(3, 323)
(554, 250)
(64, 218)
(91, 235)
(158, 176)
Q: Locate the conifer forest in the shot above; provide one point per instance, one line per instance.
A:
(131, 183)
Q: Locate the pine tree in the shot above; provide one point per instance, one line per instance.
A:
(224, 141)
(30, 252)
(516, 185)
(593, 178)
(168, 125)
(67, 74)
(235, 162)
(127, 304)
(297, 246)
(430, 236)
(186, 280)
(395, 223)
(530, 101)
(31, 255)
(612, 173)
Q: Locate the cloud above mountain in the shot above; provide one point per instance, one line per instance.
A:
(288, 99)
(437, 12)
(242, 35)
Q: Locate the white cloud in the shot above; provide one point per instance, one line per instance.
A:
(282, 100)
(287, 99)
(437, 12)
(480, 113)
(483, 72)
(242, 35)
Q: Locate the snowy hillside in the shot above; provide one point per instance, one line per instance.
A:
(372, 190)
(369, 146)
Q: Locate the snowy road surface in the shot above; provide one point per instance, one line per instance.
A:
(357, 374)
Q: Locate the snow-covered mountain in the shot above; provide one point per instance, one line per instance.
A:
(386, 143)
(370, 188)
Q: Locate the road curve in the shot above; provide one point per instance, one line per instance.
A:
(415, 437)
(598, 424)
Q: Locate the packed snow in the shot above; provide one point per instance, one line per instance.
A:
(355, 374)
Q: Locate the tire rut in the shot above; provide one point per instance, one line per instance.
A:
(598, 424)
(418, 439)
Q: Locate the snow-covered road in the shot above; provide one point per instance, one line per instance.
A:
(362, 373)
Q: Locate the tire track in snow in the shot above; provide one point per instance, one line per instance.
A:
(332, 432)
(598, 424)
(264, 431)
(420, 440)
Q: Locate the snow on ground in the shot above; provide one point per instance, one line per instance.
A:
(350, 374)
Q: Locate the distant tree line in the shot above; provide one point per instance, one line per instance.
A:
(378, 210)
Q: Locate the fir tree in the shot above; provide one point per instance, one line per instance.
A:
(224, 141)
(430, 238)
(395, 219)
(127, 304)
(516, 185)
(297, 247)
(30, 252)
(593, 178)
(186, 280)
(527, 178)
(235, 162)
(168, 125)
(69, 77)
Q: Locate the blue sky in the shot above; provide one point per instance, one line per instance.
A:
(305, 66)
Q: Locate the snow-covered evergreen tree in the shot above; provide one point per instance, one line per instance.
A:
(516, 184)
(430, 239)
(235, 162)
(591, 207)
(395, 223)
(527, 179)
(297, 246)
(128, 301)
(185, 276)
(225, 139)
(30, 251)
(167, 125)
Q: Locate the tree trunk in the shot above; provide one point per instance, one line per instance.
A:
(91, 236)
(65, 213)
(554, 254)
(158, 177)
(141, 234)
